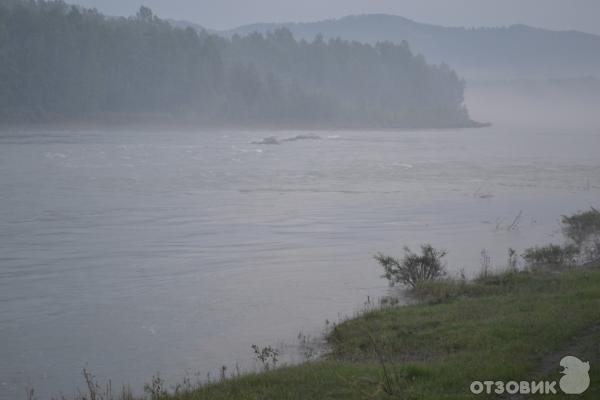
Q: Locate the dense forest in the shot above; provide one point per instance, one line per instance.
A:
(61, 62)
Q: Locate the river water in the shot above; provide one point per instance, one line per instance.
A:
(137, 251)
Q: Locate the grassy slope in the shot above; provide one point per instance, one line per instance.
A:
(501, 328)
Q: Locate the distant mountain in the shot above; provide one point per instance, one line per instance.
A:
(514, 52)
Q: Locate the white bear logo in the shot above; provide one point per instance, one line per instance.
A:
(576, 379)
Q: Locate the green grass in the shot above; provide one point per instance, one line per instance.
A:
(497, 328)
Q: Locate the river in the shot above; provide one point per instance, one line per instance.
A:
(137, 251)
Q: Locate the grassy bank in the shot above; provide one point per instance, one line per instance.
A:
(513, 326)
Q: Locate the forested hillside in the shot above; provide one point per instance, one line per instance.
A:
(63, 62)
(513, 52)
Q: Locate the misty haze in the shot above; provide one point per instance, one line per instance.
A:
(354, 204)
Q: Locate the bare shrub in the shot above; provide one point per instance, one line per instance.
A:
(267, 356)
(95, 391)
(413, 268)
(156, 388)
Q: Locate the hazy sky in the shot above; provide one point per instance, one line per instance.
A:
(221, 14)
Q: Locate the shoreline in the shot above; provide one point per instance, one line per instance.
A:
(173, 123)
(512, 325)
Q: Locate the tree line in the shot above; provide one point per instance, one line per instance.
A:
(63, 61)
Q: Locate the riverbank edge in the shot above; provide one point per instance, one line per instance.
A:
(161, 123)
(506, 326)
